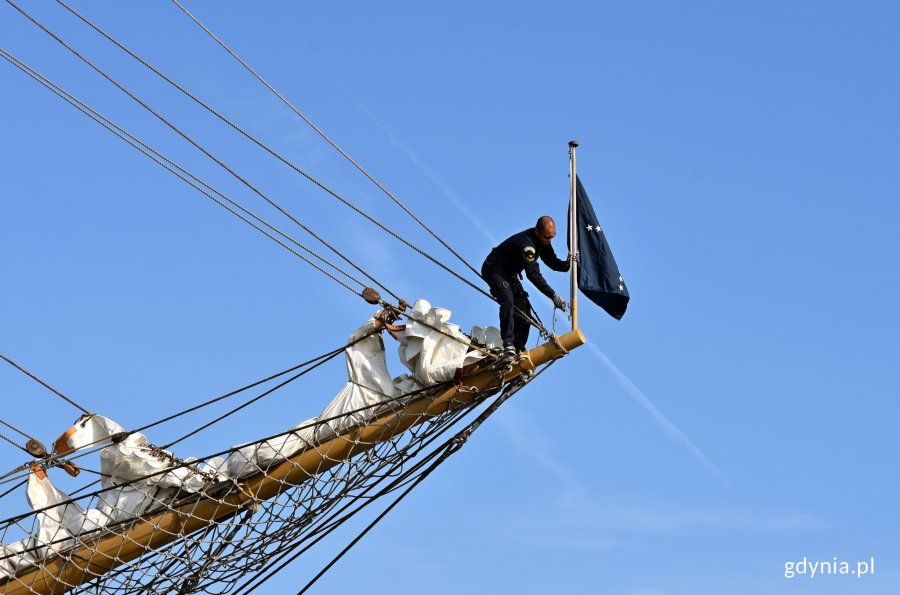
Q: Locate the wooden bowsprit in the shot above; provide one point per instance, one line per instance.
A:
(114, 546)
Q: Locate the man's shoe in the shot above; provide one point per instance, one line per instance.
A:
(509, 353)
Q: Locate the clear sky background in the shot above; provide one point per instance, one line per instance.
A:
(742, 158)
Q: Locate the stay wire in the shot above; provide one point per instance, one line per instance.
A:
(249, 402)
(42, 383)
(17, 430)
(312, 363)
(319, 420)
(450, 447)
(13, 489)
(330, 354)
(308, 366)
(13, 442)
(199, 147)
(262, 145)
(83, 453)
(86, 450)
(519, 312)
(324, 136)
(318, 359)
(182, 173)
(193, 463)
(334, 519)
(337, 518)
(11, 475)
(185, 463)
(375, 521)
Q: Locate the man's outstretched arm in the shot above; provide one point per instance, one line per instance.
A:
(548, 255)
(533, 272)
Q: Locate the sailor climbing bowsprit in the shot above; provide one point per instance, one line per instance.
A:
(502, 271)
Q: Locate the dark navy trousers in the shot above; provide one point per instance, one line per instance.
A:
(509, 292)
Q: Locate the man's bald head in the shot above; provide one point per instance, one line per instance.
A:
(545, 229)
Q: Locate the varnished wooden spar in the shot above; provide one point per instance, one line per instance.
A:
(133, 539)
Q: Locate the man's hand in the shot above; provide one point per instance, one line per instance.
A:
(559, 303)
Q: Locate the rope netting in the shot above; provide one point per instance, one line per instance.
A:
(225, 537)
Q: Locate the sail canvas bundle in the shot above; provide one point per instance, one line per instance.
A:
(434, 349)
(137, 477)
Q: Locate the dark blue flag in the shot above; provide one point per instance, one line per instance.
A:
(598, 274)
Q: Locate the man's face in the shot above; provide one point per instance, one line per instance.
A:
(546, 233)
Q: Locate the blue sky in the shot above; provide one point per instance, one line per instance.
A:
(742, 159)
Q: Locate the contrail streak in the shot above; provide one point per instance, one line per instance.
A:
(445, 190)
(429, 173)
(671, 430)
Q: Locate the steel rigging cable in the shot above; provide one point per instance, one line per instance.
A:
(324, 136)
(198, 146)
(519, 312)
(416, 474)
(33, 447)
(42, 383)
(17, 430)
(10, 440)
(309, 365)
(280, 157)
(108, 124)
(182, 173)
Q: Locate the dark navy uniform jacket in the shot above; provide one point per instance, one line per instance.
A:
(521, 252)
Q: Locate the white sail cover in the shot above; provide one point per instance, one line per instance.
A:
(259, 456)
(434, 349)
(133, 473)
(368, 383)
(136, 475)
(14, 556)
(60, 521)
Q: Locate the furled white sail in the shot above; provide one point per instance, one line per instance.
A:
(137, 476)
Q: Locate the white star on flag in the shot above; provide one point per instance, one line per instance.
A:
(590, 227)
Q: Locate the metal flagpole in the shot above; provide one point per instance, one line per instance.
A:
(573, 236)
